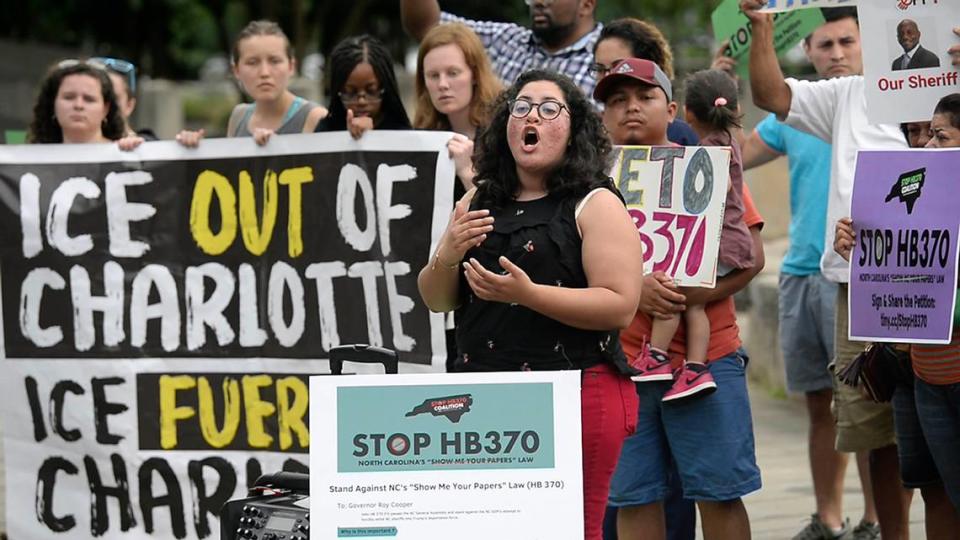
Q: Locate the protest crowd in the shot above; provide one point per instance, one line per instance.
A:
(539, 266)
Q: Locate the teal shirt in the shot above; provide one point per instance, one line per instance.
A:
(809, 159)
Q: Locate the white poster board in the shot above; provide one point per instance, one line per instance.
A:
(147, 377)
(470, 456)
(779, 6)
(899, 92)
(676, 197)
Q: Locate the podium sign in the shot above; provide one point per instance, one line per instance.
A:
(471, 456)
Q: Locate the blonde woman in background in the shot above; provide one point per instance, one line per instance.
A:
(455, 87)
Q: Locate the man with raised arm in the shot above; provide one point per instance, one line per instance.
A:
(560, 37)
(835, 110)
(807, 299)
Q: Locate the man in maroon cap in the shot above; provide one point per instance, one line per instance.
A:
(638, 102)
(709, 442)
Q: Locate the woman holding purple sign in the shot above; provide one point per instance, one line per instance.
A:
(927, 409)
(937, 367)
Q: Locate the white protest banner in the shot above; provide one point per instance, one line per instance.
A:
(676, 196)
(163, 309)
(906, 66)
(779, 6)
(472, 456)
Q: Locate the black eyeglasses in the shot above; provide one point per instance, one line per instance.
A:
(353, 97)
(548, 110)
(120, 67)
(599, 70)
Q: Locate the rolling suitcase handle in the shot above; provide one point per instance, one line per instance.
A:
(365, 354)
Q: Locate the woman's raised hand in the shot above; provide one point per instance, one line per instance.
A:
(358, 125)
(461, 152)
(468, 228)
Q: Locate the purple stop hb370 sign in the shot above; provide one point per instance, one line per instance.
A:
(903, 273)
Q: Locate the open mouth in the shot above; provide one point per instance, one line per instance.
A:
(530, 138)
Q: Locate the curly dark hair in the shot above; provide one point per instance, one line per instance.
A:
(346, 56)
(585, 163)
(645, 40)
(44, 128)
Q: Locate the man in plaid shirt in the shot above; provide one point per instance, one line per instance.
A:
(561, 37)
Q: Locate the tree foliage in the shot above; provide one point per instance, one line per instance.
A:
(172, 38)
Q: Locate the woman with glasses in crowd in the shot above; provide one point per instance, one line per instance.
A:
(263, 64)
(77, 104)
(542, 263)
(123, 75)
(364, 93)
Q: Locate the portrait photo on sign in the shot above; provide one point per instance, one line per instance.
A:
(913, 43)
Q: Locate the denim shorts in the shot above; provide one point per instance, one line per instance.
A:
(917, 468)
(710, 439)
(807, 306)
(938, 407)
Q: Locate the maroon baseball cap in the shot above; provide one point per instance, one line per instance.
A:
(637, 69)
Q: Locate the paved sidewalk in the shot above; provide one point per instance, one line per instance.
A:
(785, 503)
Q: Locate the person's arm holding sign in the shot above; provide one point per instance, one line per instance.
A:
(954, 51)
(770, 91)
(660, 298)
(733, 282)
(844, 237)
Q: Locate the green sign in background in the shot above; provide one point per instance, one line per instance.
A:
(502, 415)
(730, 24)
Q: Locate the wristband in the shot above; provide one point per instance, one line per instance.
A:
(436, 260)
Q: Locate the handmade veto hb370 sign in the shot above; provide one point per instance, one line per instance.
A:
(163, 308)
(676, 196)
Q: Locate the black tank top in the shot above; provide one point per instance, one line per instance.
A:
(541, 237)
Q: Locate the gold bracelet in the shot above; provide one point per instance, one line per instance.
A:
(436, 259)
